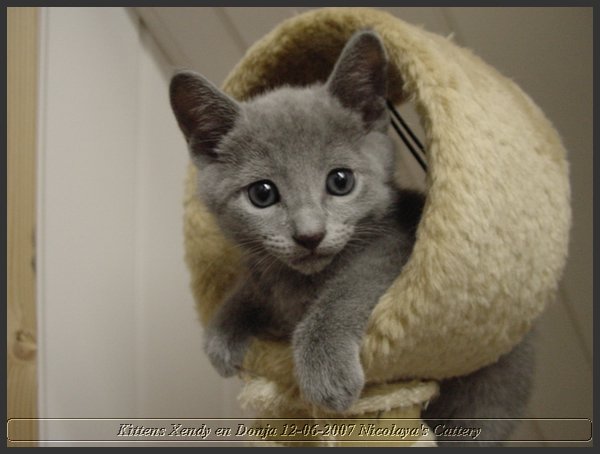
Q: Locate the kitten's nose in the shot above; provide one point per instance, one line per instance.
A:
(309, 241)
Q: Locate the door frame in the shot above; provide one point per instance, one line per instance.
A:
(22, 106)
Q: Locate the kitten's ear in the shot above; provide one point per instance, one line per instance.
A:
(204, 113)
(359, 78)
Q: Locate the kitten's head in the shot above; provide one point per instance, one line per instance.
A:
(295, 173)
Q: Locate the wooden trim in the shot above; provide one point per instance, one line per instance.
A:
(22, 78)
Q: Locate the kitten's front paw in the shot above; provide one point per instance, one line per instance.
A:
(331, 378)
(226, 355)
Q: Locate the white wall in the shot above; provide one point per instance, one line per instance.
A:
(87, 206)
(119, 335)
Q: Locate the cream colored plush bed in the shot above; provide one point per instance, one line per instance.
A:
(493, 239)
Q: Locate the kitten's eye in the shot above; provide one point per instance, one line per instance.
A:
(263, 193)
(340, 181)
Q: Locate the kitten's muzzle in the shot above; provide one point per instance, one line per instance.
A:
(309, 241)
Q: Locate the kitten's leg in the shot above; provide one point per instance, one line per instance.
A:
(229, 331)
(326, 357)
(500, 390)
(327, 341)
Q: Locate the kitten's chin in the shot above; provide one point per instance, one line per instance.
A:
(310, 264)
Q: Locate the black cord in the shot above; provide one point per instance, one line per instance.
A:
(405, 125)
(409, 145)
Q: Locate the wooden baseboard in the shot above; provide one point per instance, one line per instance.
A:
(22, 83)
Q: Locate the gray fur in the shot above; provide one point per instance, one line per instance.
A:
(490, 399)
(321, 300)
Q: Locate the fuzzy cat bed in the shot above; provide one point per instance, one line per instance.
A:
(492, 242)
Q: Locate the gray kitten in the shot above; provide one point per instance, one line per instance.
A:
(302, 180)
